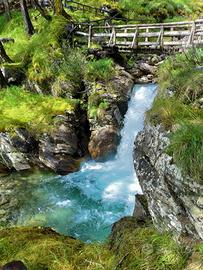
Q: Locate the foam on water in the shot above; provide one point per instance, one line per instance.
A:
(86, 203)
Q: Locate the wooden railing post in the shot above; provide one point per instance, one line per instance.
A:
(89, 36)
(192, 34)
(112, 40)
(114, 36)
(147, 31)
(160, 40)
(135, 39)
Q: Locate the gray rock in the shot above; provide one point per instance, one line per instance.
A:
(147, 69)
(57, 149)
(175, 202)
(10, 156)
(106, 126)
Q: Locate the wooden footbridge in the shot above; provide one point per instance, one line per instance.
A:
(161, 36)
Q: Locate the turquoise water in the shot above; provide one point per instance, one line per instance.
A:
(86, 203)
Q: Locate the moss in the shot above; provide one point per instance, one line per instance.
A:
(20, 108)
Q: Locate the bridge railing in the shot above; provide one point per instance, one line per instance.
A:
(160, 35)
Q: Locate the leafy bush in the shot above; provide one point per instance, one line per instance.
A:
(102, 69)
(187, 149)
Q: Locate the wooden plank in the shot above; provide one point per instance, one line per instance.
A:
(156, 25)
(143, 35)
(166, 43)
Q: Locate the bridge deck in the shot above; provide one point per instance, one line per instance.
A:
(153, 36)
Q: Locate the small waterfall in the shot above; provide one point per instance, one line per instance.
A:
(86, 203)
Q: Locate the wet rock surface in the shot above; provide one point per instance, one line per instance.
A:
(174, 201)
(105, 127)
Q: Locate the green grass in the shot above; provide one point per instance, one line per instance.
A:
(171, 111)
(43, 249)
(134, 248)
(187, 150)
(177, 107)
(102, 69)
(145, 248)
(36, 112)
(149, 10)
(181, 73)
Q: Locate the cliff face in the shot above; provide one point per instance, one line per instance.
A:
(175, 202)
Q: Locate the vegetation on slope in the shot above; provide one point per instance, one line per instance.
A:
(146, 10)
(55, 69)
(129, 248)
(179, 106)
(35, 112)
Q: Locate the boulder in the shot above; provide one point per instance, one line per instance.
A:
(103, 142)
(106, 125)
(12, 75)
(14, 265)
(147, 69)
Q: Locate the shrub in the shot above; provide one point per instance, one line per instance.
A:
(73, 66)
(102, 69)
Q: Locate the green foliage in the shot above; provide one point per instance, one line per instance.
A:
(170, 111)
(102, 69)
(178, 104)
(187, 149)
(73, 67)
(181, 73)
(144, 248)
(134, 249)
(159, 10)
(96, 103)
(39, 53)
(34, 111)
